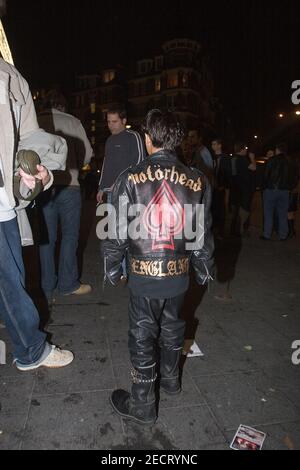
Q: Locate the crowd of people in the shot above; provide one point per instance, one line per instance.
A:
(235, 177)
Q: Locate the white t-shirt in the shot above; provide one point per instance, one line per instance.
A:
(6, 211)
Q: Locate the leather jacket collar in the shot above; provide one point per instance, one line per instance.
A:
(165, 154)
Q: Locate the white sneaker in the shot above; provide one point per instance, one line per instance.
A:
(82, 290)
(57, 358)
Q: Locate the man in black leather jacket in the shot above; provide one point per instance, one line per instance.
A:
(169, 196)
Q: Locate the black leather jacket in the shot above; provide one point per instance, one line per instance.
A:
(164, 186)
(280, 173)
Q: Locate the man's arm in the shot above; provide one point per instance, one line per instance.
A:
(137, 148)
(88, 150)
(202, 260)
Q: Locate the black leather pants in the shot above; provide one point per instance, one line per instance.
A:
(153, 322)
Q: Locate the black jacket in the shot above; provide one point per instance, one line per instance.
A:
(159, 262)
(280, 173)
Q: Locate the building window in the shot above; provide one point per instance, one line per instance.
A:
(157, 85)
(172, 80)
(109, 76)
(93, 108)
(145, 66)
(93, 126)
(159, 62)
(93, 140)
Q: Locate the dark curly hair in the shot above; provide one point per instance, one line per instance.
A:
(164, 129)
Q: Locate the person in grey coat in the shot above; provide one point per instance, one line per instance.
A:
(19, 130)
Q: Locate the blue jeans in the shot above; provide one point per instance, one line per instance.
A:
(124, 270)
(61, 204)
(276, 201)
(17, 309)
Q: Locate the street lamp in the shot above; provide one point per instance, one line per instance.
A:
(255, 137)
(297, 113)
(280, 115)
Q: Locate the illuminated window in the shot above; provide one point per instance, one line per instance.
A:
(109, 76)
(157, 84)
(93, 126)
(93, 140)
(173, 80)
(93, 108)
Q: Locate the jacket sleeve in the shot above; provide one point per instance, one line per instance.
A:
(28, 119)
(203, 260)
(104, 183)
(52, 149)
(114, 248)
(87, 148)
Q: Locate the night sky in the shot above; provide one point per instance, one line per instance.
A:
(253, 46)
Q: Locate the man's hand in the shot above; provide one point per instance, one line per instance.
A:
(29, 180)
(99, 197)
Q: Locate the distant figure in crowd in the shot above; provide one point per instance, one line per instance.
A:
(185, 153)
(243, 184)
(159, 262)
(280, 178)
(62, 203)
(19, 130)
(221, 181)
(122, 149)
(294, 196)
(201, 156)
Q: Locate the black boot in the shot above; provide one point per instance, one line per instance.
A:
(140, 405)
(169, 371)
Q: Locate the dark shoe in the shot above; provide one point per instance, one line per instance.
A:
(123, 405)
